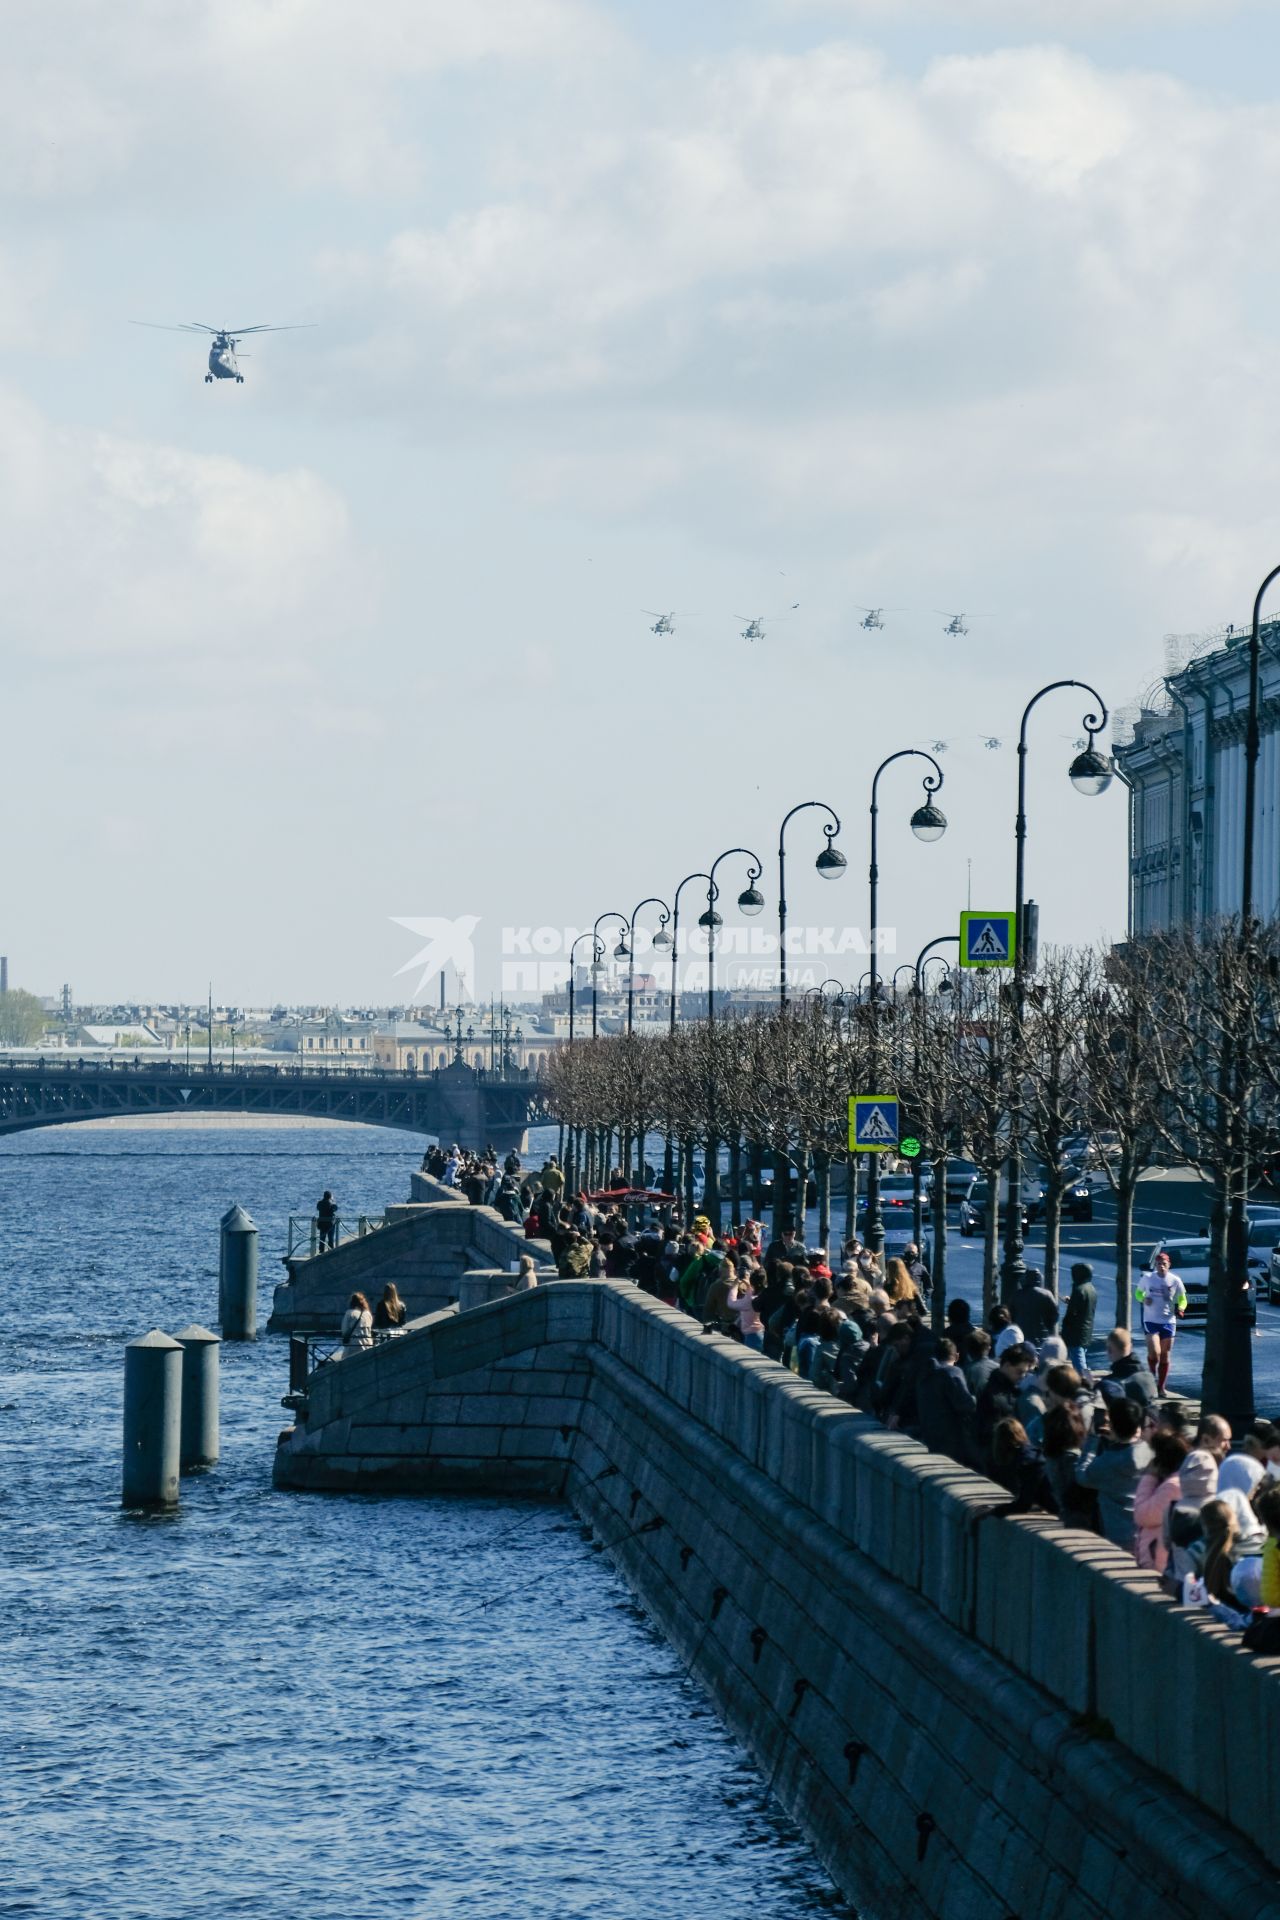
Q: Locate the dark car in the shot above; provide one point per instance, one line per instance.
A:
(1077, 1195)
(973, 1210)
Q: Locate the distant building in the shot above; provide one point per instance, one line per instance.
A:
(335, 1039)
(424, 1046)
(1185, 770)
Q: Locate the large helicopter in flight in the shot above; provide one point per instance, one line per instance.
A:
(755, 623)
(222, 346)
(956, 625)
(663, 622)
(873, 617)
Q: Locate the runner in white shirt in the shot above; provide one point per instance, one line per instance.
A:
(1163, 1297)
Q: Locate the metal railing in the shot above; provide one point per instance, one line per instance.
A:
(310, 1351)
(304, 1233)
(170, 1064)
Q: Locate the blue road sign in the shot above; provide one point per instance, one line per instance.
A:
(873, 1122)
(987, 939)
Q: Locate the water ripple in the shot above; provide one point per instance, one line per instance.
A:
(267, 1704)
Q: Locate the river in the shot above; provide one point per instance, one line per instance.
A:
(349, 1708)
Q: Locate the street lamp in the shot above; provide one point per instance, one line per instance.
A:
(928, 823)
(830, 863)
(1090, 774)
(675, 936)
(619, 953)
(598, 953)
(750, 903)
(661, 940)
(943, 940)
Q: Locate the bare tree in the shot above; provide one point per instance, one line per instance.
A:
(1052, 1080)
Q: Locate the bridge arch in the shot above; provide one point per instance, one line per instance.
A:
(463, 1105)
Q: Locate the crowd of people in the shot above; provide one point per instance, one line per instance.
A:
(1018, 1399)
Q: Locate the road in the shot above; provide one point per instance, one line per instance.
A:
(1169, 1203)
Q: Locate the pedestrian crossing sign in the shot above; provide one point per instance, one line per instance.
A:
(987, 939)
(873, 1123)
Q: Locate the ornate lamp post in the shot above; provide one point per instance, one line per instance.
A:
(928, 823)
(668, 1153)
(596, 957)
(830, 863)
(661, 941)
(943, 940)
(619, 953)
(675, 935)
(750, 903)
(1090, 774)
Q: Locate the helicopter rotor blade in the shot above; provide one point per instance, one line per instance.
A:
(162, 326)
(292, 327)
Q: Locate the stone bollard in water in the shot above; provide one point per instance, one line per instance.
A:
(152, 1421)
(238, 1276)
(199, 1443)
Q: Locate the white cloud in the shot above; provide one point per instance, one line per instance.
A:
(118, 553)
(178, 96)
(1030, 18)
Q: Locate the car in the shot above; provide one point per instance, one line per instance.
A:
(961, 1175)
(1077, 1198)
(897, 1195)
(1077, 1195)
(973, 1209)
(1190, 1261)
(1264, 1252)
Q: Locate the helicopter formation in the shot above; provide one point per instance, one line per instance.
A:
(756, 625)
(223, 364)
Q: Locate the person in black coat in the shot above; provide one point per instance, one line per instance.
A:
(947, 1410)
(999, 1398)
(1034, 1308)
(1077, 1321)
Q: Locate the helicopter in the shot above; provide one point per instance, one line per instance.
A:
(663, 622)
(956, 625)
(222, 348)
(873, 617)
(755, 627)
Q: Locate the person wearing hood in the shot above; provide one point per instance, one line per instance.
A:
(1081, 1311)
(1197, 1483)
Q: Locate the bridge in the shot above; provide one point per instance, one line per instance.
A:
(458, 1102)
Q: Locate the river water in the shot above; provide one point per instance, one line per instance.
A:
(270, 1705)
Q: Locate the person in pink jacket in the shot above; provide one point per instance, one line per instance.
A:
(1157, 1490)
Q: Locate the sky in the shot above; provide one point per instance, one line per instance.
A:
(963, 306)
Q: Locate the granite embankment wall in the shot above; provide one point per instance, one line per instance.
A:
(437, 1249)
(961, 1709)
